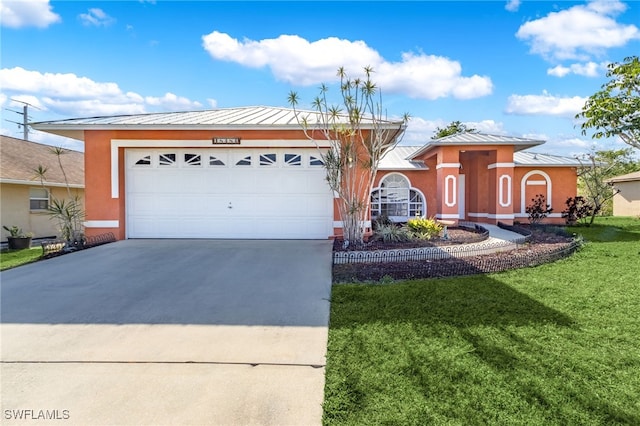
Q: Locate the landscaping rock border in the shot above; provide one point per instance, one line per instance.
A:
(540, 247)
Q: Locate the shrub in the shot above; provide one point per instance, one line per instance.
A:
(423, 228)
(578, 209)
(538, 210)
(381, 220)
(391, 233)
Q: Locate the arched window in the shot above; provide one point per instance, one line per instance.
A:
(396, 199)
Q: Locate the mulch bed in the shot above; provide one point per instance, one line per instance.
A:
(542, 247)
(456, 236)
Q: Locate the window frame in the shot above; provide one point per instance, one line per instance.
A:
(47, 200)
(405, 204)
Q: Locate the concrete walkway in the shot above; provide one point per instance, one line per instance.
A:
(502, 234)
(168, 332)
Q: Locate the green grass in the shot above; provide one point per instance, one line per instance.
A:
(558, 344)
(13, 258)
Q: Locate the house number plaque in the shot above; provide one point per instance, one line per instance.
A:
(226, 141)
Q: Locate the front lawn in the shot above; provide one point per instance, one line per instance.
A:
(558, 344)
(13, 258)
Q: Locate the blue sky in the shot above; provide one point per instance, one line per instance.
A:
(519, 68)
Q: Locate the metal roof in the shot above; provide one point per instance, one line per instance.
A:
(400, 159)
(241, 118)
(524, 158)
(396, 159)
(479, 139)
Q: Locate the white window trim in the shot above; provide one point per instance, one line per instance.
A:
(447, 216)
(523, 186)
(410, 188)
(47, 199)
(450, 197)
(505, 202)
(102, 224)
(448, 166)
(496, 165)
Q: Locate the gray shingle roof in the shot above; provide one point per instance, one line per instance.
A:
(19, 159)
(629, 177)
(245, 118)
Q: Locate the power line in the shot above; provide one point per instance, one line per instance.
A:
(25, 117)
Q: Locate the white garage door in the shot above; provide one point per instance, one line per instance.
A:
(227, 193)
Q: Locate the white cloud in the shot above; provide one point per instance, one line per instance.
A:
(55, 140)
(96, 17)
(487, 126)
(70, 95)
(575, 143)
(568, 146)
(297, 61)
(419, 130)
(558, 71)
(61, 85)
(579, 32)
(545, 104)
(512, 5)
(213, 103)
(27, 13)
(589, 69)
(429, 77)
(171, 102)
(20, 100)
(535, 136)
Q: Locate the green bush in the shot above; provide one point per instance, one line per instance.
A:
(578, 210)
(424, 228)
(538, 210)
(391, 233)
(381, 220)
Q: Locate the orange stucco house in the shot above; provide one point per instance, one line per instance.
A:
(251, 173)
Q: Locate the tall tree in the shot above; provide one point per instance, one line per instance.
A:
(596, 168)
(615, 109)
(453, 128)
(359, 135)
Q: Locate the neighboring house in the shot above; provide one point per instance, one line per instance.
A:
(24, 198)
(627, 201)
(251, 173)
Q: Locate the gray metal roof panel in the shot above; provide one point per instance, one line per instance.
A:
(397, 159)
(484, 139)
(479, 139)
(257, 116)
(400, 159)
(525, 158)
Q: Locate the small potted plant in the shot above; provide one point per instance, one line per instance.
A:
(18, 240)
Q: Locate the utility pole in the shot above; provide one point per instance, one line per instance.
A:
(25, 118)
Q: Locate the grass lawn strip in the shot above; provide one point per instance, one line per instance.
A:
(553, 345)
(13, 258)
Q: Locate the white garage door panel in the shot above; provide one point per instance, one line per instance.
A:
(183, 200)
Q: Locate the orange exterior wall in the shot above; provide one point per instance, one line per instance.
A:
(481, 183)
(100, 206)
(564, 181)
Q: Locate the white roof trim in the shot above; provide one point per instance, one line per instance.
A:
(37, 183)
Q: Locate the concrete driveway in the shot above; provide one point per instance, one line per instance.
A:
(179, 332)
